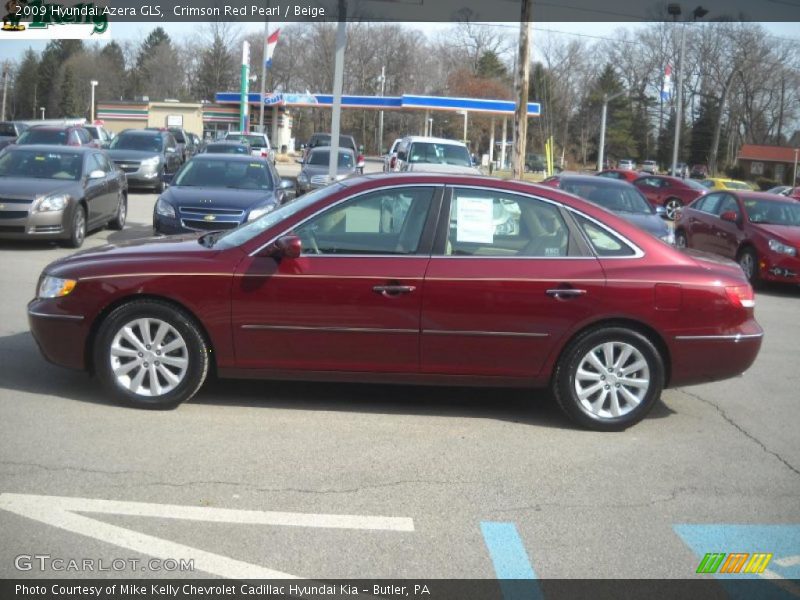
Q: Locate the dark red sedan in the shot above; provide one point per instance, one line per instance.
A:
(760, 231)
(422, 279)
(669, 192)
(622, 174)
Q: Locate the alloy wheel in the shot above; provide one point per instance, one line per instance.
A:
(612, 379)
(671, 208)
(149, 357)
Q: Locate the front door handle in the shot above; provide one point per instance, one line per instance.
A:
(393, 290)
(565, 292)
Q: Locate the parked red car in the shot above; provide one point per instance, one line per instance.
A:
(422, 278)
(760, 231)
(68, 135)
(669, 192)
(623, 174)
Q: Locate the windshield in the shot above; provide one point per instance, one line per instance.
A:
(225, 173)
(43, 136)
(227, 149)
(443, 154)
(736, 185)
(769, 212)
(7, 129)
(255, 141)
(41, 165)
(135, 141)
(616, 198)
(247, 232)
(178, 135)
(322, 157)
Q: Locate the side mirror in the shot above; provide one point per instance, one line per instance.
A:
(730, 216)
(97, 174)
(171, 150)
(288, 246)
(661, 211)
(287, 185)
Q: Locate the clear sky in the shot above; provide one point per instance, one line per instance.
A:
(137, 31)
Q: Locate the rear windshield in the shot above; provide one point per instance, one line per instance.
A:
(255, 141)
(323, 157)
(7, 129)
(135, 141)
(43, 136)
(443, 154)
(345, 141)
(226, 149)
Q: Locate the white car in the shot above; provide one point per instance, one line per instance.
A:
(649, 166)
(434, 155)
(259, 143)
(390, 158)
(627, 164)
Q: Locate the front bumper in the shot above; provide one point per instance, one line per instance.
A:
(779, 268)
(61, 337)
(143, 179)
(22, 224)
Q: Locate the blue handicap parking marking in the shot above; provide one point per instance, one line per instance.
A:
(782, 541)
(511, 563)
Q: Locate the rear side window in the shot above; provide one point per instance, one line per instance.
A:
(603, 241)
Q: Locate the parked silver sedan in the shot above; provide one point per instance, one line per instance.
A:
(314, 173)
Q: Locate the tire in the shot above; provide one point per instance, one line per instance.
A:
(159, 187)
(77, 233)
(130, 334)
(118, 222)
(748, 261)
(672, 205)
(681, 241)
(595, 409)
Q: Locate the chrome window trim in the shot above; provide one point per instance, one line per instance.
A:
(345, 199)
(637, 252)
(732, 337)
(56, 317)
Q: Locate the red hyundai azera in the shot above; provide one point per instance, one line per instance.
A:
(412, 278)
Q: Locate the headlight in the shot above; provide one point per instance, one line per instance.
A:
(260, 211)
(50, 203)
(782, 248)
(55, 287)
(164, 208)
(342, 176)
(668, 237)
(150, 162)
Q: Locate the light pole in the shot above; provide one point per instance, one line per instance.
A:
(465, 113)
(264, 74)
(794, 181)
(602, 150)
(93, 83)
(430, 129)
(382, 80)
(675, 11)
(41, 108)
(6, 71)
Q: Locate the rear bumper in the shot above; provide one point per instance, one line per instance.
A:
(704, 358)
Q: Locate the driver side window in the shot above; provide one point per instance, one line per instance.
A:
(385, 222)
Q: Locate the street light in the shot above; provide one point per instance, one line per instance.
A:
(430, 127)
(697, 13)
(41, 108)
(93, 83)
(465, 113)
(602, 150)
(382, 81)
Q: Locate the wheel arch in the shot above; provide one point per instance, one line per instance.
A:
(646, 330)
(91, 339)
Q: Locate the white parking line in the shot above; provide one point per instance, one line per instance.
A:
(59, 511)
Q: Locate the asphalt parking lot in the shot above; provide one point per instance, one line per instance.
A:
(435, 479)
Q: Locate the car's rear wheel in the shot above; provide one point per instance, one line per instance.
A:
(608, 379)
(681, 240)
(672, 206)
(150, 354)
(77, 232)
(118, 222)
(748, 260)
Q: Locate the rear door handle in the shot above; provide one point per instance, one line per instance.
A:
(565, 292)
(393, 290)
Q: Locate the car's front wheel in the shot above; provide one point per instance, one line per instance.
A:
(672, 206)
(77, 232)
(748, 260)
(150, 354)
(609, 378)
(681, 241)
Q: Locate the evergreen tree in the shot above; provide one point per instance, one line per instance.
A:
(619, 120)
(26, 86)
(490, 67)
(69, 102)
(115, 83)
(152, 46)
(54, 56)
(703, 131)
(217, 70)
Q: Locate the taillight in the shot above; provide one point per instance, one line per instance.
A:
(393, 162)
(263, 153)
(741, 295)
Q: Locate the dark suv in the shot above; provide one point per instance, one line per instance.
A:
(67, 135)
(145, 155)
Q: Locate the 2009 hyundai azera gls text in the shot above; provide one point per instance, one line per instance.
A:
(422, 279)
